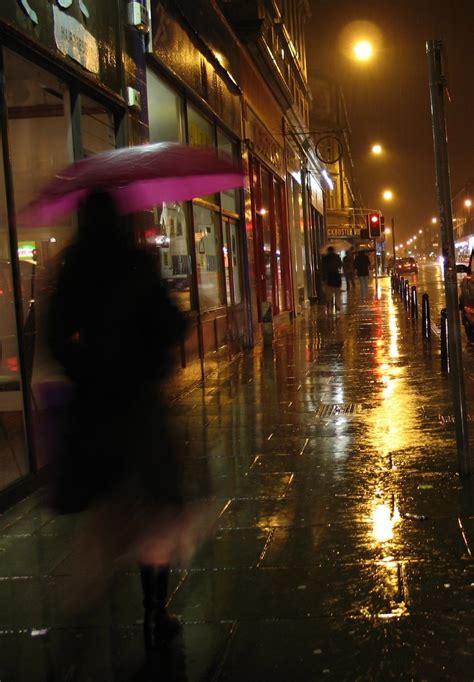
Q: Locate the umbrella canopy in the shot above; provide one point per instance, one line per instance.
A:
(337, 244)
(137, 177)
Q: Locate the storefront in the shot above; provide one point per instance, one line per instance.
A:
(59, 101)
(269, 220)
(201, 244)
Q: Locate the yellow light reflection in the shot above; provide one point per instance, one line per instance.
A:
(392, 421)
(383, 522)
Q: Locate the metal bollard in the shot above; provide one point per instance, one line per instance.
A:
(425, 316)
(407, 295)
(414, 303)
(444, 341)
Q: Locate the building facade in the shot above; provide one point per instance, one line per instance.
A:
(91, 76)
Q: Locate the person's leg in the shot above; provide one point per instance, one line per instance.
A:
(328, 298)
(157, 624)
(366, 286)
(337, 296)
(348, 283)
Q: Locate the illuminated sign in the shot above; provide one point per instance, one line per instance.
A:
(64, 4)
(26, 250)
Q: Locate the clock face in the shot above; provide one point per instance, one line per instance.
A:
(329, 149)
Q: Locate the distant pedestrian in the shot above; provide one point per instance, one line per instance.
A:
(362, 267)
(331, 265)
(348, 268)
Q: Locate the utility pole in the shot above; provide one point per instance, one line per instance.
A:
(393, 238)
(437, 81)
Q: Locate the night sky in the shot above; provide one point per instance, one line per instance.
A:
(388, 100)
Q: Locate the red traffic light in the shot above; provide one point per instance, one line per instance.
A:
(374, 225)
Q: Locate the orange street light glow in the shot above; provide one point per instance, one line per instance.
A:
(363, 50)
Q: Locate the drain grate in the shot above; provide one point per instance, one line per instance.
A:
(334, 410)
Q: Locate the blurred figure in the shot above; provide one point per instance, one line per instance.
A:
(331, 265)
(113, 329)
(362, 266)
(348, 268)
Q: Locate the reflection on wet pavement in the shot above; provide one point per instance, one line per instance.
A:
(345, 540)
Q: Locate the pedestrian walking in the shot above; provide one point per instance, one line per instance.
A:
(112, 328)
(348, 268)
(331, 265)
(362, 267)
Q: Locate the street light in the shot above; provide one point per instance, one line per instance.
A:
(434, 220)
(377, 149)
(388, 195)
(363, 50)
(468, 203)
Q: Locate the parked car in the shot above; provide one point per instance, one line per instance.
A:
(406, 266)
(466, 297)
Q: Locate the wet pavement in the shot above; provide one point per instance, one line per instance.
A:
(345, 540)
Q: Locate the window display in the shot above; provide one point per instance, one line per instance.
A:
(208, 259)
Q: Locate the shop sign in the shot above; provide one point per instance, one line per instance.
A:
(317, 199)
(75, 41)
(342, 231)
(264, 144)
(64, 4)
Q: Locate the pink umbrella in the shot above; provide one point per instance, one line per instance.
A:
(138, 177)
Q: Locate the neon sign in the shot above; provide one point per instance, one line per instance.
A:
(63, 4)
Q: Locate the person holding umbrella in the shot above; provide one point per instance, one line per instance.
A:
(348, 268)
(113, 329)
(331, 265)
(362, 266)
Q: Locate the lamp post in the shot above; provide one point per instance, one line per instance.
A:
(388, 196)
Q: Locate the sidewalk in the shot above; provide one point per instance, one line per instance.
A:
(345, 542)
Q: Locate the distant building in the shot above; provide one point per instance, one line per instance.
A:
(332, 137)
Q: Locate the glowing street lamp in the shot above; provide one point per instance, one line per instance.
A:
(388, 195)
(377, 149)
(434, 220)
(468, 203)
(363, 50)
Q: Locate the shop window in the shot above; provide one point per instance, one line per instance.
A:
(169, 231)
(201, 134)
(165, 111)
(227, 148)
(97, 127)
(200, 130)
(208, 257)
(14, 462)
(169, 235)
(40, 144)
(232, 262)
(227, 258)
(279, 246)
(266, 212)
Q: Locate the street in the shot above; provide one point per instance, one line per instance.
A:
(345, 537)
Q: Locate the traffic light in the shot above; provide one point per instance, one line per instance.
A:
(374, 225)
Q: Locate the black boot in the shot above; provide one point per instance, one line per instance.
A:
(158, 625)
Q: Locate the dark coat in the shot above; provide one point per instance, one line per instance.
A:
(112, 328)
(330, 265)
(362, 264)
